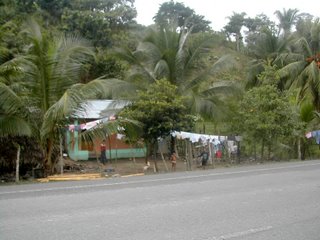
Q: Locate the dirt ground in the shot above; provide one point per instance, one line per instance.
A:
(124, 167)
(115, 168)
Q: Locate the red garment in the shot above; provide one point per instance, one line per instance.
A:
(103, 147)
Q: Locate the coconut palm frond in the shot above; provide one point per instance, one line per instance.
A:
(303, 45)
(32, 28)
(139, 80)
(208, 108)
(125, 54)
(255, 69)
(197, 47)
(222, 89)
(111, 127)
(307, 79)
(313, 72)
(136, 60)
(292, 70)
(111, 88)
(162, 70)
(224, 63)
(287, 58)
(60, 111)
(148, 53)
(307, 112)
(10, 103)
(14, 126)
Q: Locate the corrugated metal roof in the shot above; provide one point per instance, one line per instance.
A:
(96, 109)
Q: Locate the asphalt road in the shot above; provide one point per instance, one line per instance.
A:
(273, 201)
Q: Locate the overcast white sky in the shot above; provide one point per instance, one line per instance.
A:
(217, 11)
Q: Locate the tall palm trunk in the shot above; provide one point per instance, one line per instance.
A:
(18, 162)
(48, 165)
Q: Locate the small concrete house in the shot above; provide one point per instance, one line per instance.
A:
(93, 112)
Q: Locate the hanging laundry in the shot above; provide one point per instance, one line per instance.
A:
(316, 135)
(120, 136)
(71, 128)
(308, 135)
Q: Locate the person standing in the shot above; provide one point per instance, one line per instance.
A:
(103, 148)
(173, 159)
(204, 158)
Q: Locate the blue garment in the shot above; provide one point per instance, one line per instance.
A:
(316, 135)
(103, 157)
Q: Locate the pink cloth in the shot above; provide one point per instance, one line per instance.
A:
(308, 135)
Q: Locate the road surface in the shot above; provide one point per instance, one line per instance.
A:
(262, 202)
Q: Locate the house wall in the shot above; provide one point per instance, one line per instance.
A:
(116, 148)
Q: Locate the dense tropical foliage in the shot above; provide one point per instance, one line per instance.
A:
(256, 77)
(161, 110)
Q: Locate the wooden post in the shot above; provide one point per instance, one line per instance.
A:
(18, 163)
(299, 148)
(210, 152)
(61, 154)
(189, 155)
(186, 141)
(238, 151)
(116, 150)
(164, 161)
(109, 139)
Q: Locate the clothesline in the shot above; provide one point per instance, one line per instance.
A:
(315, 134)
(89, 125)
(196, 137)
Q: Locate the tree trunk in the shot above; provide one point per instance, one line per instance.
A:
(133, 158)
(173, 144)
(238, 38)
(262, 150)
(18, 162)
(48, 165)
(299, 148)
(154, 151)
(255, 151)
(269, 151)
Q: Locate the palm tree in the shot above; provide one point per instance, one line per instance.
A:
(13, 119)
(302, 66)
(266, 51)
(287, 19)
(49, 90)
(181, 58)
(308, 118)
(301, 71)
(233, 28)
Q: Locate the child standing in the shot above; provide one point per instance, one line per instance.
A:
(173, 159)
(103, 147)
